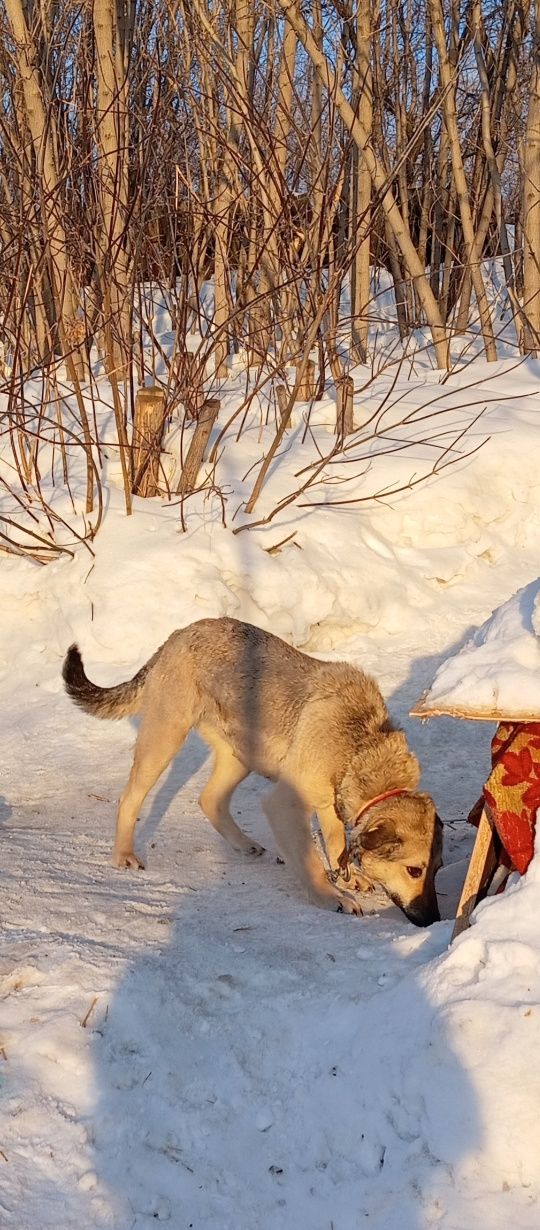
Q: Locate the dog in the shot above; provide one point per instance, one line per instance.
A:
(319, 730)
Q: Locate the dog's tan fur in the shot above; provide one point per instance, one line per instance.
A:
(320, 730)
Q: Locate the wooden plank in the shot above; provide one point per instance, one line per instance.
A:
(481, 867)
(422, 709)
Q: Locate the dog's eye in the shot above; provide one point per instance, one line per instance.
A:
(414, 872)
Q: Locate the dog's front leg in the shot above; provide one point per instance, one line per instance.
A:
(290, 817)
(333, 831)
(335, 844)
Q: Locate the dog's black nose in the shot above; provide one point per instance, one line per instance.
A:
(423, 918)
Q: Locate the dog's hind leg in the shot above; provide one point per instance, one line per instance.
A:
(160, 738)
(290, 817)
(227, 773)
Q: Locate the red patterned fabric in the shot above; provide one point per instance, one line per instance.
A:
(512, 791)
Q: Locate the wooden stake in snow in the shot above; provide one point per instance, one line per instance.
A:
(344, 415)
(259, 335)
(282, 399)
(192, 382)
(306, 388)
(196, 450)
(481, 868)
(147, 435)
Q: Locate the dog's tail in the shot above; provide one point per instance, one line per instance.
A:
(116, 702)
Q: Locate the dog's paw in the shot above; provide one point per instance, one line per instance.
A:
(333, 899)
(126, 858)
(359, 884)
(249, 847)
(255, 850)
(348, 905)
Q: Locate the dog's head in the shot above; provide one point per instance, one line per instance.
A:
(400, 847)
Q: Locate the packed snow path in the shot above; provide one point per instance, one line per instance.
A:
(196, 1044)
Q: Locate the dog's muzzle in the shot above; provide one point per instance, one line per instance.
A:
(420, 912)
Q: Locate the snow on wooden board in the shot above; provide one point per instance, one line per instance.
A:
(495, 676)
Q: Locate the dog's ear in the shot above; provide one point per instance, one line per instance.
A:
(380, 838)
(438, 838)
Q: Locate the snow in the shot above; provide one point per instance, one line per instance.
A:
(195, 1044)
(498, 669)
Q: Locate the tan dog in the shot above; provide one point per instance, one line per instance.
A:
(320, 730)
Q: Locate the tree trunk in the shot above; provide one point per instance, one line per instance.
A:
(361, 188)
(285, 100)
(42, 130)
(531, 204)
(379, 179)
(113, 265)
(451, 123)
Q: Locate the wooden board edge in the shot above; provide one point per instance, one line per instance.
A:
(479, 872)
(424, 711)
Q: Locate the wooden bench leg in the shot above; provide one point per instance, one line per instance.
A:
(481, 867)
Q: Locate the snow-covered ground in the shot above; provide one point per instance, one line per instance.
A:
(196, 1044)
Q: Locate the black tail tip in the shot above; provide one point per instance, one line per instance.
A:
(73, 669)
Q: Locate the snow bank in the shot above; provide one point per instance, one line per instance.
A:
(320, 570)
(497, 672)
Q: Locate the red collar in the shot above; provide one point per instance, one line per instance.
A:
(388, 794)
